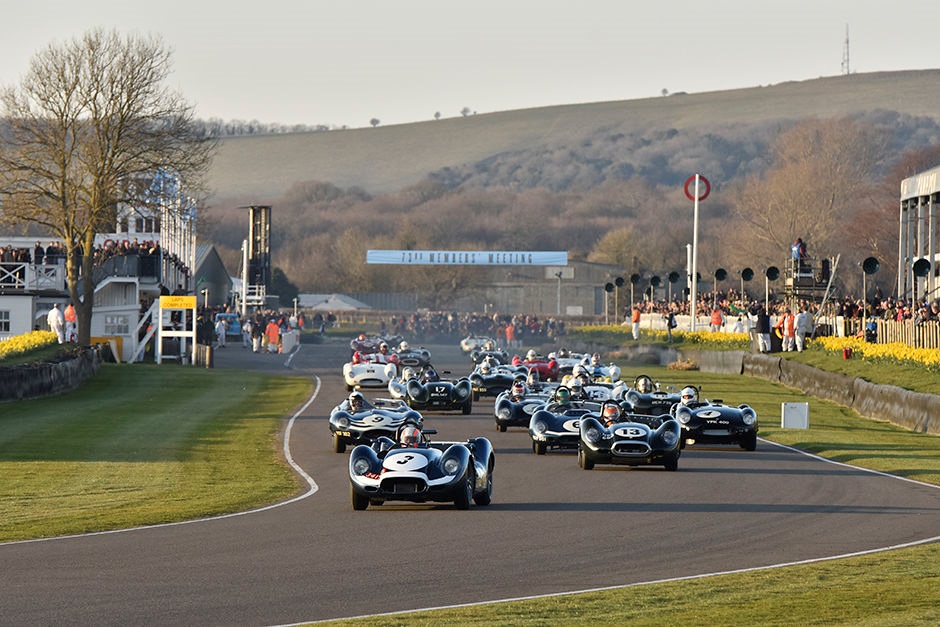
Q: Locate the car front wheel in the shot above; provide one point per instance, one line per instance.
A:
(465, 494)
(359, 502)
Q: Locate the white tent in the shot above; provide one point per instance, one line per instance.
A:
(329, 302)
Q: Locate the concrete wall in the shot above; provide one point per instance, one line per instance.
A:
(913, 410)
(48, 379)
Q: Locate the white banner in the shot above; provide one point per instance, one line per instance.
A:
(468, 257)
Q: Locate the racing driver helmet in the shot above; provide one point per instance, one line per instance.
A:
(356, 401)
(518, 390)
(610, 413)
(689, 395)
(410, 436)
(383, 348)
(562, 396)
(531, 355)
(403, 346)
(596, 359)
(643, 384)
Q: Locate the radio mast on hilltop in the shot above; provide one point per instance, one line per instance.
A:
(845, 53)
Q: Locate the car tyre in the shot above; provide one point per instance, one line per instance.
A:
(501, 427)
(749, 441)
(583, 462)
(539, 447)
(485, 497)
(671, 463)
(465, 495)
(359, 502)
(467, 407)
(338, 445)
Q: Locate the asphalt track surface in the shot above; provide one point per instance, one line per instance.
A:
(551, 528)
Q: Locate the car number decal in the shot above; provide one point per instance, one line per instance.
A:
(630, 432)
(405, 462)
(572, 425)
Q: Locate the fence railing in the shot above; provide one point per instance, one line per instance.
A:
(919, 335)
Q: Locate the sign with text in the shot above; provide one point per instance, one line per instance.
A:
(177, 302)
(468, 257)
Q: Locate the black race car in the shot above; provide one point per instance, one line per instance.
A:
(440, 395)
(488, 380)
(512, 411)
(498, 356)
(556, 425)
(421, 471)
(381, 417)
(628, 439)
(712, 422)
(416, 358)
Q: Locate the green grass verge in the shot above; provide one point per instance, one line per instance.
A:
(895, 588)
(143, 444)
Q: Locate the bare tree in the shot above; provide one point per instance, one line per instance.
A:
(821, 171)
(90, 125)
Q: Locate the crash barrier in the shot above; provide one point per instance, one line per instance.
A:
(916, 411)
(48, 378)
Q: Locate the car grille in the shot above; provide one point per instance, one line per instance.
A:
(628, 448)
(404, 485)
(715, 432)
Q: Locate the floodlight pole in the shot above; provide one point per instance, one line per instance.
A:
(694, 276)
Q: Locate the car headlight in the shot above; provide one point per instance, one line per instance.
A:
(592, 435)
(342, 422)
(539, 427)
(361, 466)
(451, 466)
(749, 418)
(684, 417)
(462, 391)
(503, 413)
(670, 438)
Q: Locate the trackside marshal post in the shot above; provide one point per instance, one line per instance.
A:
(180, 326)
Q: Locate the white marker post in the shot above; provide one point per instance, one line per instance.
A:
(693, 274)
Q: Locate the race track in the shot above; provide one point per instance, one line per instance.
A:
(551, 528)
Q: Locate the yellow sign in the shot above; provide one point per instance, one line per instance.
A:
(177, 302)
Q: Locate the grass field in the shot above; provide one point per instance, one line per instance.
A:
(143, 445)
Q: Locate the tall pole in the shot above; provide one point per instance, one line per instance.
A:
(558, 304)
(244, 293)
(694, 276)
(864, 302)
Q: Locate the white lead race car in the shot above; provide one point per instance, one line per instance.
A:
(368, 371)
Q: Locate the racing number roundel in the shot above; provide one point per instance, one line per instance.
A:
(405, 461)
(630, 432)
(690, 187)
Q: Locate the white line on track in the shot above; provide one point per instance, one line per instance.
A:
(686, 577)
(312, 486)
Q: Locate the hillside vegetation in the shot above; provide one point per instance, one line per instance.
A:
(601, 180)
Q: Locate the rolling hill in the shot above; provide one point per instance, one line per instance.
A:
(258, 169)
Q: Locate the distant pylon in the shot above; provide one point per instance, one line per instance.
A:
(845, 53)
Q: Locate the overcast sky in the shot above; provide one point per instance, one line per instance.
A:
(343, 62)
